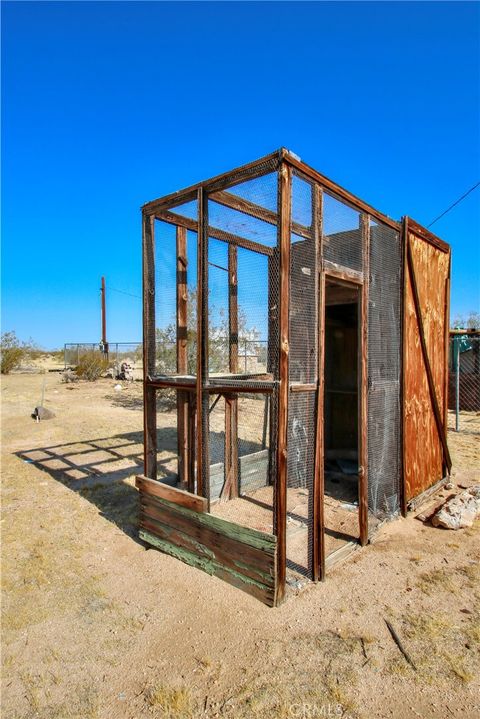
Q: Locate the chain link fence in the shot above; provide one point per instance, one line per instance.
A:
(464, 378)
(117, 353)
(252, 354)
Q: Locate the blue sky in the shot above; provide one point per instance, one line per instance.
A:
(109, 105)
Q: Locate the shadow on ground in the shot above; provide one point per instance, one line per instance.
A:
(97, 470)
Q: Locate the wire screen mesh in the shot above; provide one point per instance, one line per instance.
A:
(300, 477)
(175, 298)
(303, 286)
(384, 368)
(342, 238)
(241, 483)
(243, 279)
(464, 381)
(167, 436)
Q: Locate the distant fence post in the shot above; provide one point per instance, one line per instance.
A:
(457, 385)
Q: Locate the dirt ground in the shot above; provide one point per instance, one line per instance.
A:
(96, 626)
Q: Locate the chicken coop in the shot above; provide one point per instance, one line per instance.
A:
(295, 373)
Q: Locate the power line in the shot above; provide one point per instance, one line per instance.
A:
(455, 203)
(122, 292)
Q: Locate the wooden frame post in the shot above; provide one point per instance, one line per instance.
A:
(446, 351)
(319, 480)
(182, 397)
(363, 384)
(284, 207)
(230, 488)
(202, 400)
(149, 348)
(403, 325)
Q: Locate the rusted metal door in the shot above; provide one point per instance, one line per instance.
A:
(425, 360)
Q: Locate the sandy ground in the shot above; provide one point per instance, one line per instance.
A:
(96, 626)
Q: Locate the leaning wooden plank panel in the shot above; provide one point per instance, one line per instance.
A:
(229, 561)
(178, 496)
(217, 542)
(250, 537)
(210, 566)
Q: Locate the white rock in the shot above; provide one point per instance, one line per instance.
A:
(117, 387)
(460, 511)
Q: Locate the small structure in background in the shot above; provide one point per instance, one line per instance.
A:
(464, 372)
(282, 465)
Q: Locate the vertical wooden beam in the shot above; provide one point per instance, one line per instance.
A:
(230, 488)
(203, 454)
(320, 439)
(284, 206)
(182, 397)
(446, 350)
(404, 286)
(318, 537)
(149, 348)
(363, 384)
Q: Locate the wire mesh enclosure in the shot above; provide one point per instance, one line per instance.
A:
(273, 390)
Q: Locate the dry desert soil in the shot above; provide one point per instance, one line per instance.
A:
(96, 626)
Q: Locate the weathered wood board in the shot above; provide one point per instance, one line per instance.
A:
(423, 457)
(241, 556)
(177, 496)
(252, 474)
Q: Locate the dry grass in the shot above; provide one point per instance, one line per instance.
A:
(426, 627)
(436, 580)
(173, 703)
(457, 665)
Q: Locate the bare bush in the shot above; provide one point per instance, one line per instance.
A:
(13, 352)
(91, 366)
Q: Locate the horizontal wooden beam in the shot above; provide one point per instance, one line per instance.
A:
(338, 272)
(428, 236)
(234, 202)
(233, 386)
(258, 168)
(172, 494)
(180, 221)
(303, 387)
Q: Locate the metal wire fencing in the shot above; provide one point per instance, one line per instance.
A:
(464, 379)
(117, 354)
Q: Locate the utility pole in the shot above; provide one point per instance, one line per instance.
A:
(104, 320)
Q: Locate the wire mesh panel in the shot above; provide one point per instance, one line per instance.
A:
(167, 436)
(216, 445)
(303, 286)
(175, 298)
(464, 381)
(342, 238)
(243, 278)
(300, 479)
(384, 368)
(241, 482)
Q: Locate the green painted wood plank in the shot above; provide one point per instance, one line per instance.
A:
(220, 543)
(228, 560)
(210, 566)
(252, 537)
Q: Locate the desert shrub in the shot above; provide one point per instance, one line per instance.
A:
(13, 352)
(91, 366)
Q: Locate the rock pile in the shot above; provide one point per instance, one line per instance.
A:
(460, 511)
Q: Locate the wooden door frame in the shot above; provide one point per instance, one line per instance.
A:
(362, 406)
